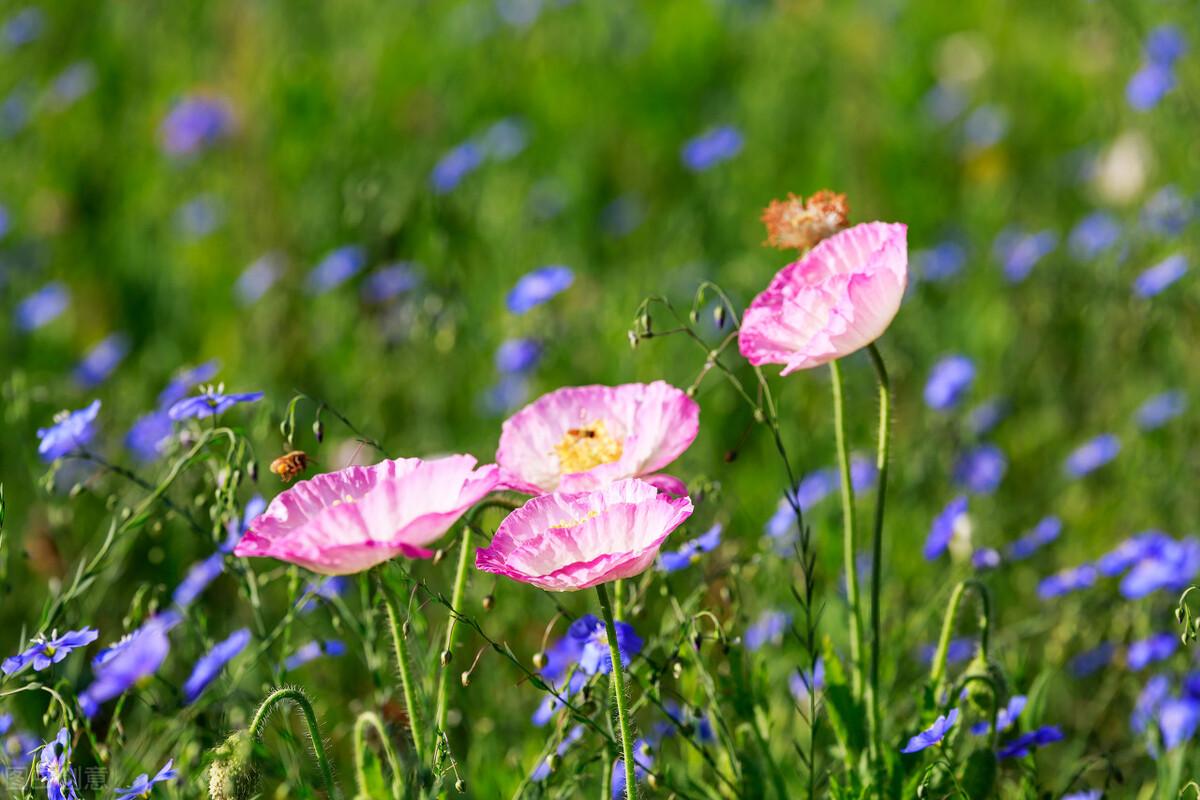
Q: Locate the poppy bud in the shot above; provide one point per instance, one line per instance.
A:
(489, 602)
(232, 775)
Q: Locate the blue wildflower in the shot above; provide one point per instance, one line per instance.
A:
(944, 102)
(943, 527)
(1087, 794)
(535, 288)
(195, 123)
(6, 721)
(390, 281)
(983, 418)
(1149, 85)
(327, 588)
(769, 628)
(594, 656)
(1149, 700)
(210, 403)
(1067, 581)
(1018, 253)
(863, 473)
(551, 704)
(15, 110)
(456, 165)
(337, 267)
(643, 761)
(985, 558)
(72, 83)
(802, 683)
(1177, 720)
(1025, 743)
(1146, 544)
(71, 431)
(257, 279)
(22, 27)
(199, 216)
(697, 721)
(43, 652)
(948, 381)
(18, 749)
(5, 221)
(54, 767)
(1160, 409)
(147, 437)
(1005, 718)
(101, 360)
(199, 576)
(1167, 212)
(311, 651)
(711, 148)
(1165, 45)
(940, 262)
(1172, 566)
(1150, 650)
(144, 784)
(518, 356)
(210, 665)
(542, 770)
(506, 394)
(504, 139)
(981, 469)
(1156, 279)
(120, 667)
(1092, 455)
(42, 307)
(1043, 533)
(622, 216)
(958, 650)
(933, 734)
(985, 127)
(1093, 235)
(673, 561)
(184, 380)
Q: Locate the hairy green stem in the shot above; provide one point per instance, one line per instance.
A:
(618, 682)
(937, 671)
(369, 719)
(301, 700)
(406, 679)
(456, 600)
(849, 545)
(881, 464)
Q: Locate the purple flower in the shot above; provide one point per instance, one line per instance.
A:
(101, 360)
(1149, 700)
(1025, 743)
(1092, 455)
(802, 683)
(535, 288)
(1088, 794)
(940, 262)
(212, 402)
(144, 785)
(1044, 532)
(1160, 409)
(456, 165)
(711, 148)
(54, 767)
(1067, 581)
(72, 83)
(210, 665)
(183, 382)
(1146, 544)
(508, 393)
(542, 771)
(1172, 566)
(1148, 86)
(311, 651)
(199, 576)
(770, 627)
(337, 267)
(981, 469)
(504, 139)
(1165, 44)
(985, 558)
(148, 435)
(942, 530)
(1167, 212)
(983, 418)
(933, 734)
(862, 473)
(326, 588)
(390, 281)
(195, 123)
(689, 554)
(42, 307)
(594, 655)
(697, 720)
(43, 652)
(1018, 252)
(1093, 235)
(959, 649)
(71, 431)
(22, 27)
(6, 721)
(1150, 650)
(518, 356)
(948, 381)
(643, 760)
(1005, 718)
(258, 278)
(1091, 661)
(120, 667)
(1157, 278)
(1177, 720)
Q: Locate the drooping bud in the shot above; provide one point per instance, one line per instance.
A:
(445, 657)
(252, 471)
(489, 602)
(319, 430)
(460, 786)
(793, 224)
(465, 678)
(719, 315)
(438, 555)
(232, 775)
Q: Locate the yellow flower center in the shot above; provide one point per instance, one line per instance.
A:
(586, 447)
(572, 523)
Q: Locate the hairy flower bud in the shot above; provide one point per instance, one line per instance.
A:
(232, 775)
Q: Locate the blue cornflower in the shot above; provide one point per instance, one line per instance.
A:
(258, 278)
(1026, 742)
(944, 524)
(120, 667)
(210, 403)
(1177, 720)
(390, 281)
(144, 785)
(71, 431)
(184, 380)
(1149, 700)
(983, 418)
(195, 123)
(1172, 566)
(101, 360)
(1160, 409)
(1018, 252)
(981, 469)
(960, 649)
(1093, 235)
(643, 761)
(770, 627)
(199, 576)
(673, 561)
(985, 127)
(948, 381)
(518, 356)
(535, 288)
(940, 262)
(43, 652)
(985, 558)
(311, 651)
(337, 267)
(54, 767)
(1043, 533)
(802, 683)
(1005, 718)
(1092, 455)
(42, 307)
(1092, 661)
(1167, 212)
(542, 770)
(210, 665)
(456, 165)
(1150, 650)
(504, 139)
(1146, 544)
(148, 435)
(1067, 581)
(933, 734)
(711, 148)
(1157, 278)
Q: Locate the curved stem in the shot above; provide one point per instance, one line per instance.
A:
(456, 600)
(618, 682)
(298, 697)
(937, 670)
(372, 720)
(881, 464)
(849, 545)
(406, 679)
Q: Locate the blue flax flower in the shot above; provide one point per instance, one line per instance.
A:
(985, 558)
(311, 651)
(144, 784)
(6, 721)
(183, 381)
(1138, 547)
(210, 403)
(802, 683)
(981, 469)
(538, 286)
(1177, 721)
(697, 721)
(42, 307)
(43, 652)
(1043, 533)
(770, 627)
(673, 561)
(1167, 212)
(948, 381)
(942, 529)
(1089, 662)
(983, 418)
(1150, 650)
(1018, 252)
(863, 473)
(1156, 279)
(1005, 718)
(933, 734)
(518, 356)
(959, 650)
(551, 704)
(643, 761)
(1149, 700)
(71, 431)
(54, 767)
(1067, 581)
(127, 663)
(940, 262)
(1026, 742)
(1160, 409)
(257, 279)
(595, 656)
(22, 27)
(210, 665)
(455, 166)
(504, 139)
(195, 123)
(147, 437)
(198, 577)
(99, 362)
(1086, 794)
(390, 281)
(1171, 566)
(326, 588)
(1094, 235)
(542, 770)
(711, 148)
(1092, 455)
(337, 267)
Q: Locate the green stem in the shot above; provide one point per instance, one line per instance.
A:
(406, 678)
(849, 546)
(881, 464)
(937, 670)
(298, 697)
(372, 720)
(618, 682)
(456, 600)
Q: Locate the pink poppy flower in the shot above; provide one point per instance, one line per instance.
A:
(583, 437)
(569, 541)
(838, 298)
(350, 520)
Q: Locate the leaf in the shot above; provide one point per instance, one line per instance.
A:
(979, 774)
(845, 713)
(373, 783)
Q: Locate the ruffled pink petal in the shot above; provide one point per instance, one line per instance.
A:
(667, 484)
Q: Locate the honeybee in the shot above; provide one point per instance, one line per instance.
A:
(289, 466)
(581, 433)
